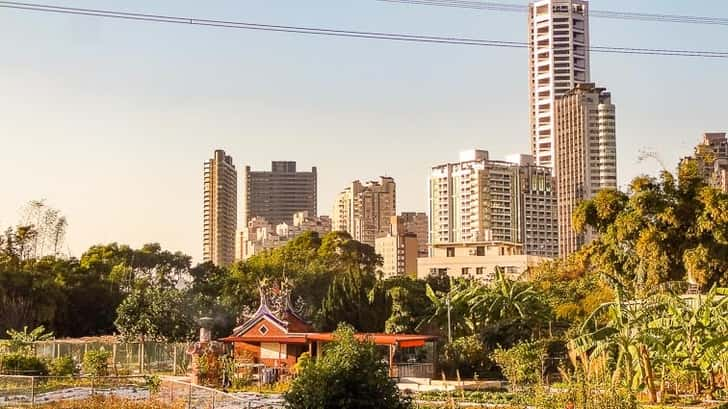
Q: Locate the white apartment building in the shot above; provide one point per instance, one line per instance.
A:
(478, 200)
(558, 60)
(586, 156)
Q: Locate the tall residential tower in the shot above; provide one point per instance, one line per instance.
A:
(478, 201)
(558, 43)
(220, 218)
(279, 193)
(586, 155)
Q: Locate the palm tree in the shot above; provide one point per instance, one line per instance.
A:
(623, 336)
(506, 301)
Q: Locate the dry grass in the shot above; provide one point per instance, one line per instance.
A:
(99, 402)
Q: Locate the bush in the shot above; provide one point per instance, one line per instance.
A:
(467, 355)
(522, 364)
(350, 375)
(22, 364)
(96, 362)
(63, 366)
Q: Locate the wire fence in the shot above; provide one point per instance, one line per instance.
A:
(18, 391)
(200, 397)
(21, 390)
(126, 358)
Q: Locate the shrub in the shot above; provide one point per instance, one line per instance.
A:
(467, 355)
(62, 366)
(349, 375)
(96, 362)
(522, 364)
(22, 364)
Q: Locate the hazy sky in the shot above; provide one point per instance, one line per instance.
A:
(111, 121)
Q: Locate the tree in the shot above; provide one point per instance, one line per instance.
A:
(671, 228)
(350, 375)
(155, 313)
(522, 364)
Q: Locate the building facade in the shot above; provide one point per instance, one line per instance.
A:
(260, 235)
(558, 43)
(712, 157)
(478, 200)
(399, 250)
(477, 261)
(586, 156)
(364, 209)
(279, 193)
(220, 209)
(417, 223)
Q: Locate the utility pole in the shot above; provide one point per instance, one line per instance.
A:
(449, 331)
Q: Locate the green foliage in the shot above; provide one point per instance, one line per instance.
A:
(583, 396)
(667, 229)
(350, 375)
(523, 364)
(466, 355)
(21, 363)
(96, 362)
(153, 382)
(62, 366)
(155, 313)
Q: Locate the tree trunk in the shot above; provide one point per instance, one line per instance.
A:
(649, 373)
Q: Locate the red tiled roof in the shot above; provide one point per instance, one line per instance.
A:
(402, 340)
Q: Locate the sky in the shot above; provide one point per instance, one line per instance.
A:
(110, 121)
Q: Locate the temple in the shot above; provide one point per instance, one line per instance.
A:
(277, 339)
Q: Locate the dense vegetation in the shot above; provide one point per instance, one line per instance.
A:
(612, 316)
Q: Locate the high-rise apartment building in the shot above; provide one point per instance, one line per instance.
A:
(417, 223)
(220, 218)
(398, 249)
(586, 155)
(558, 43)
(279, 193)
(364, 209)
(478, 200)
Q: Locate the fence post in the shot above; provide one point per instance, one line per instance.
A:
(213, 399)
(32, 391)
(174, 360)
(189, 397)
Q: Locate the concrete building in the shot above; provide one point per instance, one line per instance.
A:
(712, 157)
(398, 249)
(477, 261)
(260, 235)
(586, 155)
(478, 200)
(279, 193)
(417, 223)
(220, 209)
(558, 43)
(364, 209)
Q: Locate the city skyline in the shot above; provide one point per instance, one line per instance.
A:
(144, 128)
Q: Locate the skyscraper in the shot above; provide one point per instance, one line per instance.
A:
(364, 209)
(586, 157)
(478, 200)
(279, 193)
(220, 218)
(558, 45)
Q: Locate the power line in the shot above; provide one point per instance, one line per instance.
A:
(618, 15)
(155, 18)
